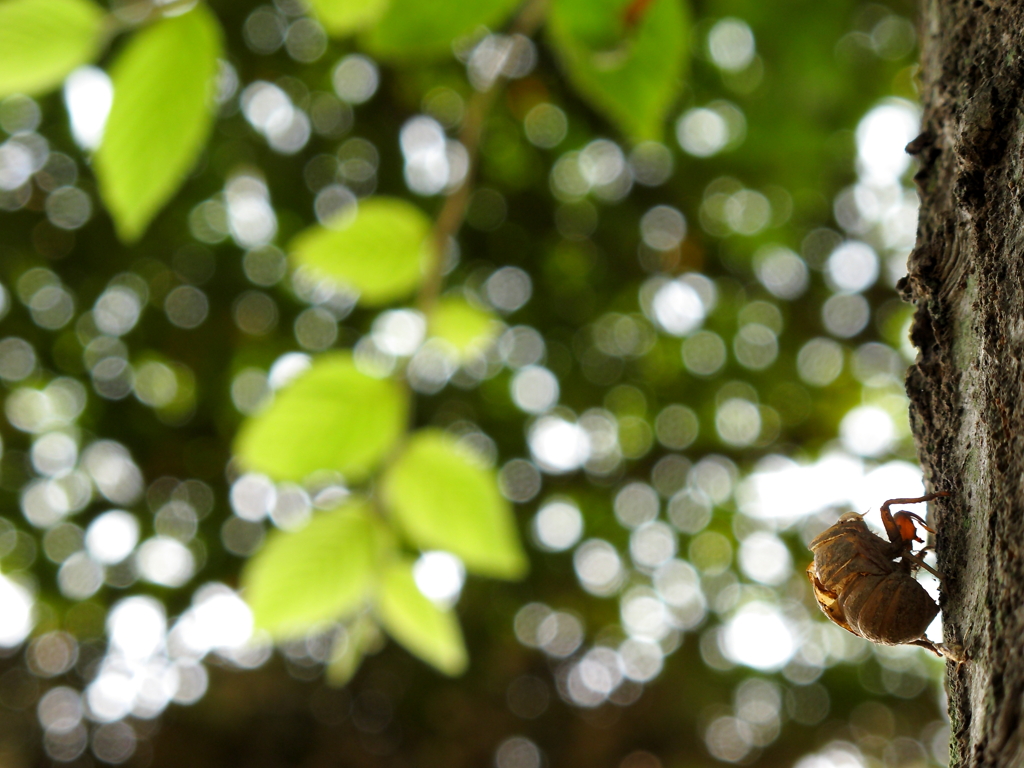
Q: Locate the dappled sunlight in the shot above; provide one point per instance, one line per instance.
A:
(758, 637)
(17, 611)
(88, 94)
(557, 526)
(439, 576)
(785, 491)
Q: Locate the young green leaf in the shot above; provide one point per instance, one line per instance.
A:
(343, 17)
(467, 328)
(160, 118)
(629, 69)
(332, 417)
(348, 649)
(422, 28)
(41, 41)
(303, 579)
(442, 498)
(423, 628)
(381, 252)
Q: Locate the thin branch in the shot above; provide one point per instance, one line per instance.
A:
(453, 212)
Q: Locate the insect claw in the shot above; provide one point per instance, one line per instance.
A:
(954, 652)
(919, 519)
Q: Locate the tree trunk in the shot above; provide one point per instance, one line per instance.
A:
(967, 389)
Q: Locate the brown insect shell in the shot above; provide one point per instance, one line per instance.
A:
(861, 587)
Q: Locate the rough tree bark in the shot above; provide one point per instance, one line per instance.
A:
(966, 276)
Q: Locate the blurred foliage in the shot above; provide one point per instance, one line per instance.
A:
(324, 307)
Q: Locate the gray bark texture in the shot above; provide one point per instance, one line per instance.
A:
(966, 276)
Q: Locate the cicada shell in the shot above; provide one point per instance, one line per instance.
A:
(866, 585)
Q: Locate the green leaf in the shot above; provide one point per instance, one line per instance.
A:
(381, 252)
(350, 645)
(343, 17)
(160, 118)
(442, 498)
(422, 627)
(306, 578)
(41, 41)
(424, 28)
(331, 417)
(468, 329)
(630, 70)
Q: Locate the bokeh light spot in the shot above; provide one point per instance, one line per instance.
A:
(439, 576)
(557, 526)
(759, 636)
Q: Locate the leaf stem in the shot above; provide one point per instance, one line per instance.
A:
(453, 212)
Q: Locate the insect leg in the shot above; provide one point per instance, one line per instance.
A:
(892, 527)
(926, 643)
(917, 559)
